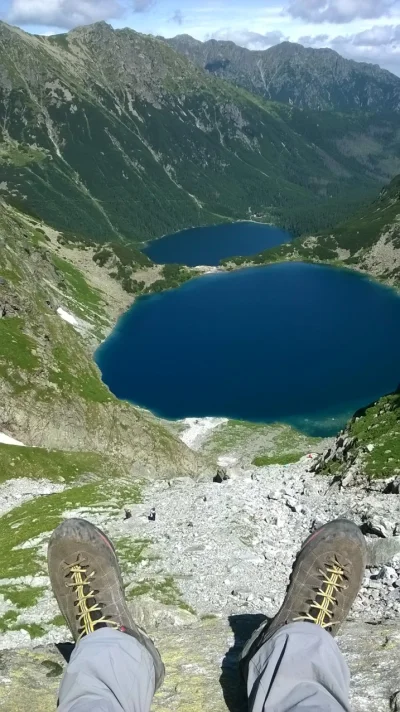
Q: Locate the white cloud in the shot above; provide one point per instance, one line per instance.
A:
(142, 5)
(340, 11)
(70, 13)
(177, 17)
(62, 13)
(248, 38)
(317, 41)
(378, 36)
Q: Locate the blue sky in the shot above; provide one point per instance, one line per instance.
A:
(366, 30)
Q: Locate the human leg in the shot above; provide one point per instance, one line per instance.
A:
(293, 663)
(115, 666)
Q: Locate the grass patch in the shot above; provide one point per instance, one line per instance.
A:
(10, 274)
(34, 630)
(54, 465)
(245, 440)
(39, 237)
(17, 351)
(265, 460)
(58, 621)
(80, 377)
(42, 515)
(22, 597)
(16, 347)
(77, 285)
(19, 154)
(376, 429)
(379, 425)
(166, 592)
(130, 551)
(7, 620)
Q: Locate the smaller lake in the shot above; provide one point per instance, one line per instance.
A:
(210, 245)
(296, 343)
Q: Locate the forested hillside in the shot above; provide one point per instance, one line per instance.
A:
(142, 143)
(369, 241)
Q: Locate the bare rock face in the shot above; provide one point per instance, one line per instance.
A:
(201, 669)
(306, 77)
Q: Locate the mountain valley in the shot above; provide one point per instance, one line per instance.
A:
(110, 138)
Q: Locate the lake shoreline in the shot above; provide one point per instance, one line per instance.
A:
(321, 316)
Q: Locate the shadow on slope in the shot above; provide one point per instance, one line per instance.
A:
(231, 681)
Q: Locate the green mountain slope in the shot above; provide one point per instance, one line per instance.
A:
(309, 78)
(141, 142)
(369, 241)
(51, 394)
(369, 445)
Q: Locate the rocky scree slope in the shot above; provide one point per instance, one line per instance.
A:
(142, 142)
(187, 578)
(309, 78)
(126, 270)
(368, 242)
(51, 394)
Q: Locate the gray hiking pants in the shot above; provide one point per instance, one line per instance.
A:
(300, 668)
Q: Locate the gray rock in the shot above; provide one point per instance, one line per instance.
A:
(395, 702)
(292, 504)
(393, 486)
(193, 655)
(383, 551)
(387, 574)
(380, 526)
(221, 476)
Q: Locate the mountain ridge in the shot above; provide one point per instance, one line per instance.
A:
(144, 143)
(319, 79)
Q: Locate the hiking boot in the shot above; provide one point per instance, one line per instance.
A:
(87, 583)
(325, 580)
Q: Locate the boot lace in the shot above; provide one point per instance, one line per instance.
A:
(321, 610)
(90, 615)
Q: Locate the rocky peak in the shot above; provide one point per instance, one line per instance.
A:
(304, 76)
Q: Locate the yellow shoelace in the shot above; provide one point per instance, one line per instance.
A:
(333, 581)
(85, 619)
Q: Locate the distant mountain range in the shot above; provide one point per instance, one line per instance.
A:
(115, 135)
(318, 79)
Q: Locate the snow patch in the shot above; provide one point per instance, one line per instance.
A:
(198, 429)
(206, 269)
(66, 316)
(6, 440)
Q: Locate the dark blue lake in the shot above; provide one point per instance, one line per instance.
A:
(297, 343)
(209, 245)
